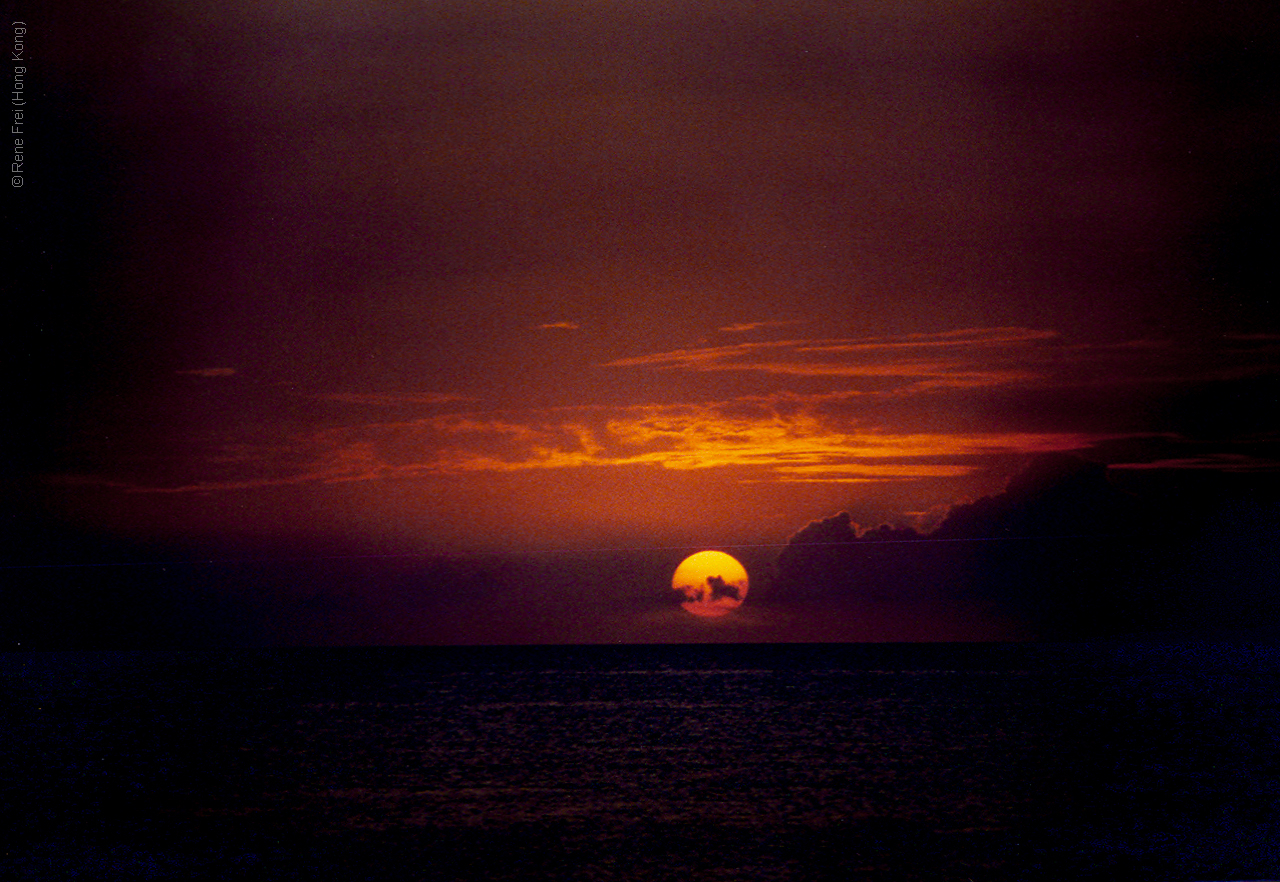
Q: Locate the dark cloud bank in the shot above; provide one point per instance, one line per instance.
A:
(1071, 550)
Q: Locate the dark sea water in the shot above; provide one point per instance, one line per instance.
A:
(940, 762)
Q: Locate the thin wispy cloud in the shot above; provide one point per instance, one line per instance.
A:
(209, 372)
(1223, 462)
(966, 337)
(392, 399)
(970, 357)
(747, 327)
(562, 326)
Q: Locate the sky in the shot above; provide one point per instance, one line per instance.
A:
(446, 322)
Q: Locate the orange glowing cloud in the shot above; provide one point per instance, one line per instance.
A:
(926, 423)
(756, 440)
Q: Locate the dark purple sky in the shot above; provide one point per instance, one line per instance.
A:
(505, 277)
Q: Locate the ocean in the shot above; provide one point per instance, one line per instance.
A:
(742, 762)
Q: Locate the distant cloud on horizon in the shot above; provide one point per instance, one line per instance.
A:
(1063, 551)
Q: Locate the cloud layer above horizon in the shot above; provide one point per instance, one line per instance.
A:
(883, 409)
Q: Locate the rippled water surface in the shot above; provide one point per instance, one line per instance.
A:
(764, 762)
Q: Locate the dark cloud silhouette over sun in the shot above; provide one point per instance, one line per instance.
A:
(713, 583)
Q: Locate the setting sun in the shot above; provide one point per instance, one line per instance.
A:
(712, 582)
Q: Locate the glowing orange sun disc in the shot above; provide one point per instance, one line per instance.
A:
(712, 582)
